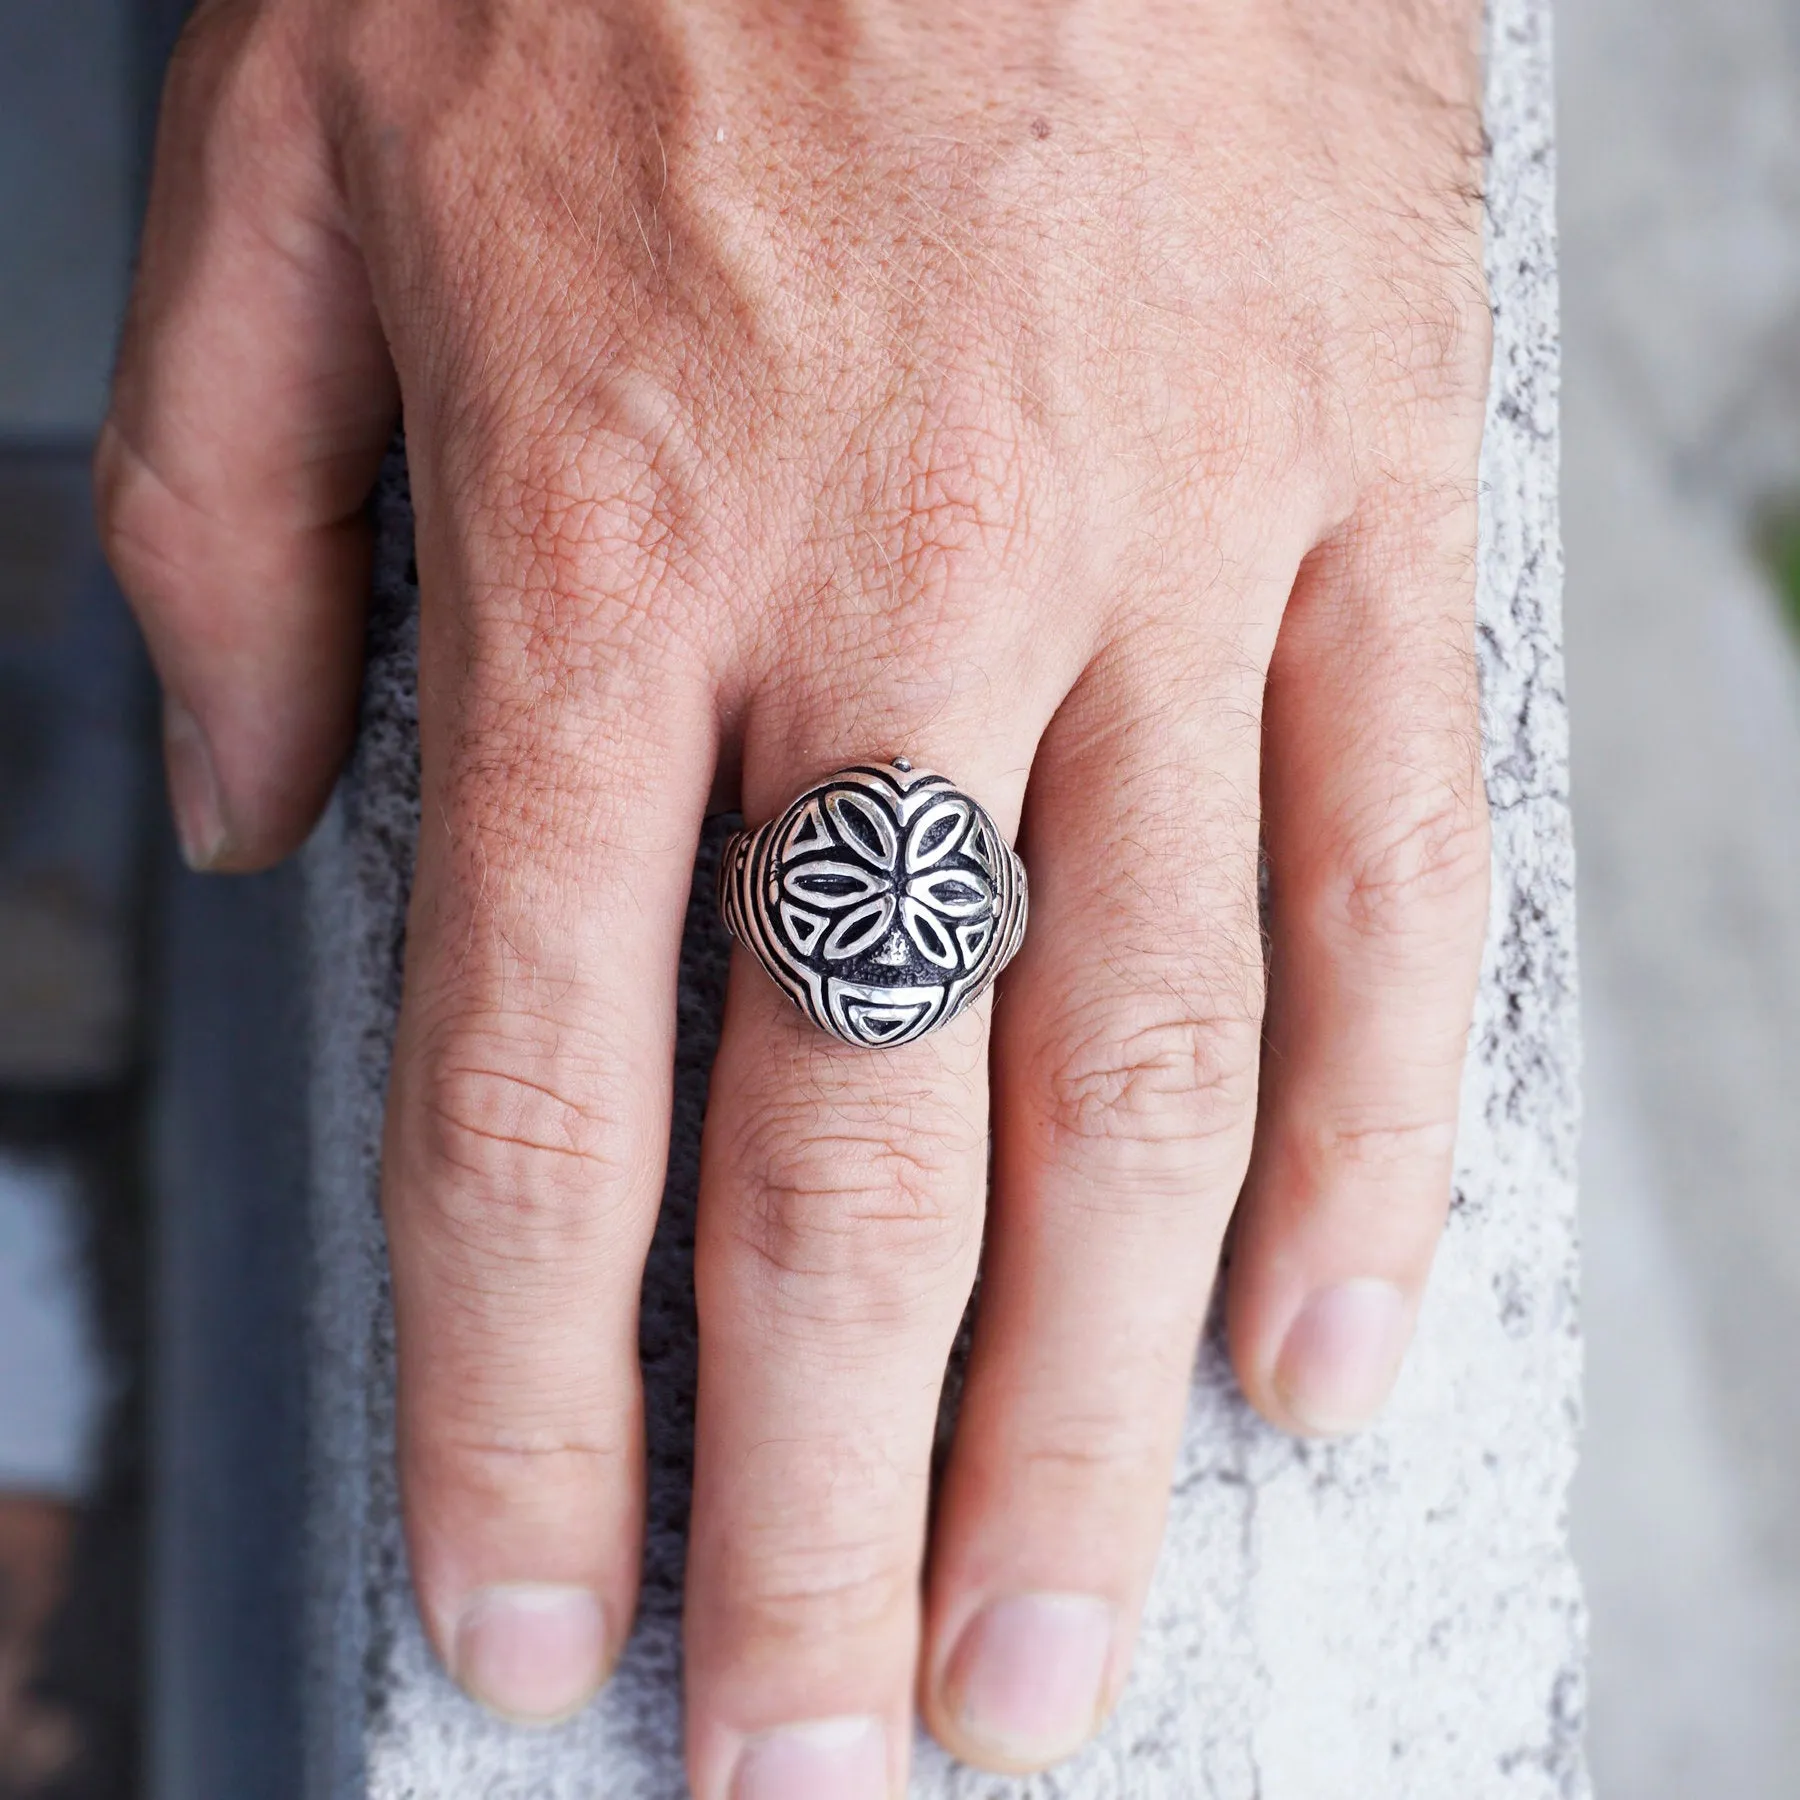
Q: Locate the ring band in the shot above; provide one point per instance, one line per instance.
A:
(881, 902)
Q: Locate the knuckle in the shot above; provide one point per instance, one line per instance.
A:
(161, 539)
(531, 793)
(208, 45)
(850, 1225)
(519, 1165)
(947, 494)
(586, 540)
(140, 523)
(501, 1459)
(960, 486)
(395, 90)
(1380, 1146)
(834, 1582)
(1100, 1454)
(603, 499)
(823, 1539)
(233, 67)
(1182, 1077)
(1440, 336)
(1420, 866)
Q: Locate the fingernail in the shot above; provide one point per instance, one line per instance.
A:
(823, 1759)
(1342, 1354)
(533, 1652)
(193, 787)
(1027, 1681)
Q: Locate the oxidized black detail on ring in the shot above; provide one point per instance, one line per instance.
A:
(882, 901)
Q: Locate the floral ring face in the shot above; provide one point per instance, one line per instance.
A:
(882, 902)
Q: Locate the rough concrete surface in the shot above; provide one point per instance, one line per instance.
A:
(1394, 1617)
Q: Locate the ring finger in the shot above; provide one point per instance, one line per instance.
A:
(840, 1223)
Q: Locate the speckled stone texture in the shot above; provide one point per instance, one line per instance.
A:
(1395, 1618)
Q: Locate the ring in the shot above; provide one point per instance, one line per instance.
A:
(881, 902)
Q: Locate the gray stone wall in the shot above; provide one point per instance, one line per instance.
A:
(1395, 1617)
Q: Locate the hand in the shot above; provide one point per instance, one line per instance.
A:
(1083, 401)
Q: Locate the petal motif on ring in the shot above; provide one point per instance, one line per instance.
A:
(978, 847)
(861, 1014)
(936, 832)
(974, 940)
(864, 828)
(925, 930)
(803, 928)
(856, 931)
(956, 893)
(808, 832)
(833, 885)
(882, 902)
(879, 1025)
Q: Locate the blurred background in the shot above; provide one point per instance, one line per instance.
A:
(1679, 124)
(1680, 172)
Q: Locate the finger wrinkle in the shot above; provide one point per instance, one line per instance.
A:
(1379, 1147)
(807, 1595)
(1180, 1080)
(1420, 872)
(511, 1451)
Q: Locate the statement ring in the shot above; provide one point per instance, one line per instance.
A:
(881, 902)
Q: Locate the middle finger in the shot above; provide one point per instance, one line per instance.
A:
(1125, 1086)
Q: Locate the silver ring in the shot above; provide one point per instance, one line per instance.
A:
(882, 902)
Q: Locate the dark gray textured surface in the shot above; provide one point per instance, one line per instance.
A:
(73, 725)
(228, 1409)
(66, 181)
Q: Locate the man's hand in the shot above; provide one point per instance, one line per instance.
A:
(1082, 400)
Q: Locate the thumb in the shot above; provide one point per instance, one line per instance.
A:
(250, 409)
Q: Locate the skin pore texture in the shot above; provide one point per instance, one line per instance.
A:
(1082, 400)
